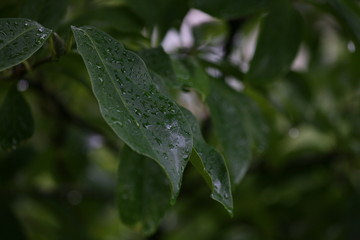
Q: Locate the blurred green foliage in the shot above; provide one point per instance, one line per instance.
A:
(303, 184)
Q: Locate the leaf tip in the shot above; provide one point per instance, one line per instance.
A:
(74, 28)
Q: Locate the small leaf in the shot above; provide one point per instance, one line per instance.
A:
(149, 122)
(142, 192)
(19, 39)
(211, 166)
(229, 9)
(160, 66)
(191, 74)
(230, 124)
(16, 122)
(157, 60)
(277, 44)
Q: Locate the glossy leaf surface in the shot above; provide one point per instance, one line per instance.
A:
(16, 120)
(211, 165)
(143, 192)
(149, 122)
(230, 124)
(229, 8)
(275, 50)
(19, 39)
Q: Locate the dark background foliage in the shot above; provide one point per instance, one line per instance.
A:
(303, 181)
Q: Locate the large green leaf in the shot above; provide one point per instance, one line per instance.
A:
(211, 165)
(142, 193)
(349, 12)
(229, 8)
(19, 39)
(277, 44)
(16, 122)
(149, 122)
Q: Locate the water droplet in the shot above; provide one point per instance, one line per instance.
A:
(41, 30)
(158, 140)
(101, 80)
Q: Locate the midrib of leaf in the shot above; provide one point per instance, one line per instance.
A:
(17, 36)
(108, 73)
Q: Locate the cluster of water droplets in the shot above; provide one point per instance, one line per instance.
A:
(130, 102)
(19, 39)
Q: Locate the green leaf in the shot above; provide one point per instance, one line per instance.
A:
(277, 45)
(191, 74)
(16, 120)
(349, 12)
(158, 61)
(229, 9)
(211, 165)
(19, 39)
(161, 69)
(229, 119)
(149, 122)
(142, 192)
(46, 12)
(256, 125)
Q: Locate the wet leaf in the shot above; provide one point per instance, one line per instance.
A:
(239, 126)
(211, 165)
(276, 50)
(149, 122)
(19, 39)
(142, 193)
(229, 122)
(16, 122)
